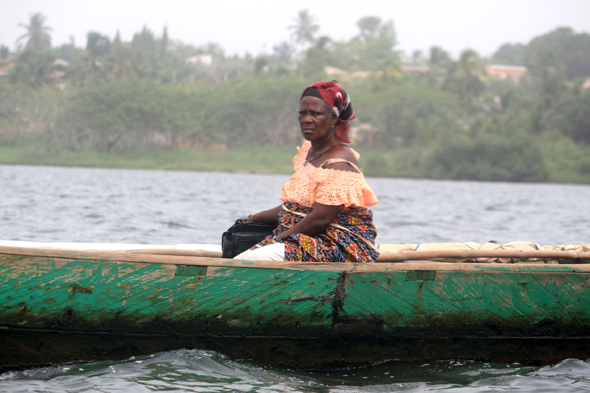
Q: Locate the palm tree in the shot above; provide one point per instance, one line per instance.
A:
(548, 76)
(124, 62)
(304, 28)
(284, 52)
(123, 59)
(369, 27)
(466, 77)
(37, 35)
(439, 63)
(97, 46)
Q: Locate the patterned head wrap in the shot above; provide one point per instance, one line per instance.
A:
(338, 100)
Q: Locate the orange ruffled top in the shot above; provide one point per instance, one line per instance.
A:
(310, 184)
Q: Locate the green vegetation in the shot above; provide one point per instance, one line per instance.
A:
(244, 159)
(160, 104)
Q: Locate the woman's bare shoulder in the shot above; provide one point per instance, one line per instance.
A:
(343, 152)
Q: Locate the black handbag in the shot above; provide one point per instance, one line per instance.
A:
(243, 235)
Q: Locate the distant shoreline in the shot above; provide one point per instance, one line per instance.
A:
(403, 163)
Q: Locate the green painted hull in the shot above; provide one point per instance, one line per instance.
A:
(62, 307)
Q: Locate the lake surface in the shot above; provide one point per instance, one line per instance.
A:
(174, 207)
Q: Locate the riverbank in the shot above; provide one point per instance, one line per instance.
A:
(248, 159)
(413, 162)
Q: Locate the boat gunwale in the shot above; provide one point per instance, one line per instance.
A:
(136, 257)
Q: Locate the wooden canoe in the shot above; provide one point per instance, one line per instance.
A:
(65, 305)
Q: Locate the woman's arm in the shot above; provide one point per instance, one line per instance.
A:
(315, 222)
(270, 215)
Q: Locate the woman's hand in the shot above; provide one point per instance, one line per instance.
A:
(315, 222)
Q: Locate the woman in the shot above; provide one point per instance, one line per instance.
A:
(324, 217)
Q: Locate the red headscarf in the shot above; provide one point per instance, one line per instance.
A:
(338, 100)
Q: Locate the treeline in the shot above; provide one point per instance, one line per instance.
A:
(446, 119)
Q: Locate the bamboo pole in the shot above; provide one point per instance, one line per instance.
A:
(388, 256)
(581, 266)
(177, 252)
(213, 258)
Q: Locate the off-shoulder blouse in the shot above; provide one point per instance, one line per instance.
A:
(310, 184)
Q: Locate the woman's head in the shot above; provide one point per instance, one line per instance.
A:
(337, 100)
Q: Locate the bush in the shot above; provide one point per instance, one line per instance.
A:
(488, 157)
(571, 116)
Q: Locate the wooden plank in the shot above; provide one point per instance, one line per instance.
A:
(123, 256)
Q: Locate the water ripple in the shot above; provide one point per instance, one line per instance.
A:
(200, 371)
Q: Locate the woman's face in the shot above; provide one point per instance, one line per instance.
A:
(316, 119)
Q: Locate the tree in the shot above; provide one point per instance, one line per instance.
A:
(134, 111)
(511, 54)
(305, 28)
(284, 52)
(548, 77)
(438, 62)
(372, 49)
(369, 27)
(145, 48)
(418, 57)
(37, 34)
(97, 46)
(571, 116)
(465, 77)
(488, 157)
(164, 43)
(4, 52)
(33, 68)
(123, 61)
(570, 49)
(318, 56)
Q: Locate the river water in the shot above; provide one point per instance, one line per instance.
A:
(175, 207)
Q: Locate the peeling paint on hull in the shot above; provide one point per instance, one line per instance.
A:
(55, 310)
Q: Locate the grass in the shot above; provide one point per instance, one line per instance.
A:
(566, 163)
(246, 159)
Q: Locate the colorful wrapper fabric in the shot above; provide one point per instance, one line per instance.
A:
(333, 244)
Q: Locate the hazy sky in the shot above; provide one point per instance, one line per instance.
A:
(256, 25)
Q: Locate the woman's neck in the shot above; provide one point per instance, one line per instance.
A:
(322, 145)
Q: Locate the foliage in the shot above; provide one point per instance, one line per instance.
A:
(145, 48)
(97, 46)
(305, 28)
(510, 54)
(33, 68)
(566, 160)
(37, 34)
(488, 157)
(144, 111)
(155, 94)
(571, 116)
(259, 111)
(408, 114)
(465, 78)
(4, 52)
(284, 53)
(27, 114)
(371, 50)
(572, 50)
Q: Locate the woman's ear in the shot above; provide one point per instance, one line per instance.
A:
(334, 115)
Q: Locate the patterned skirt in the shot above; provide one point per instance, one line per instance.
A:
(333, 244)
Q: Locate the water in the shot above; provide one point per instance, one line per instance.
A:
(173, 207)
